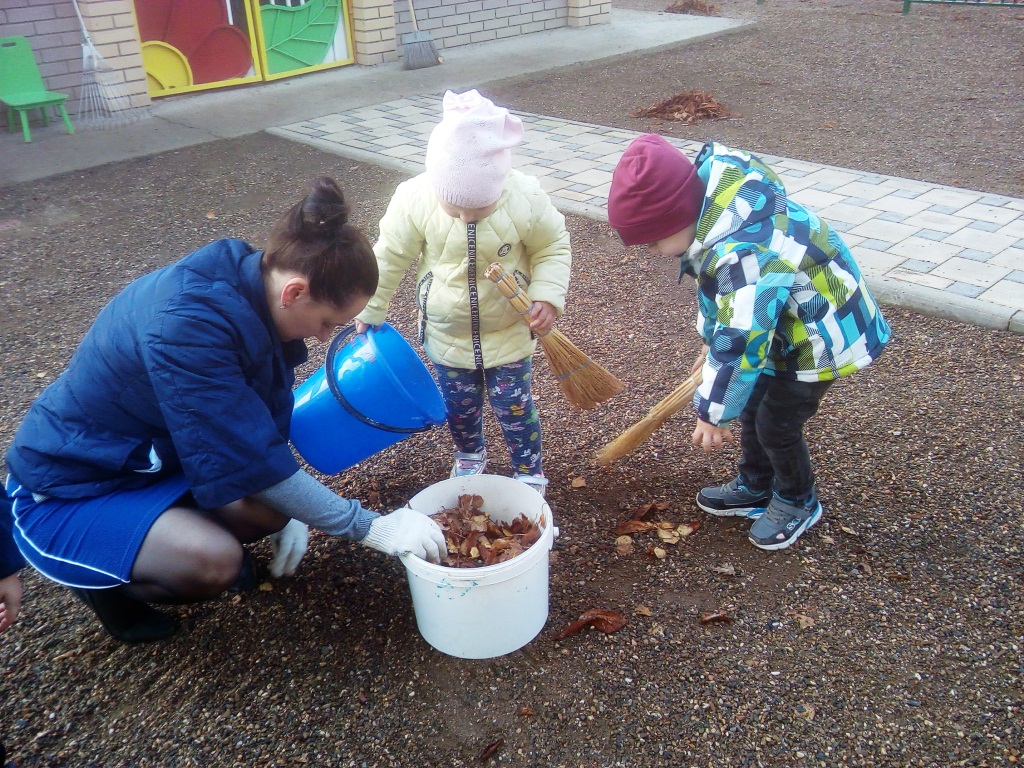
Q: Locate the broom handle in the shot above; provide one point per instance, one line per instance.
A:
(510, 290)
(678, 398)
(412, 12)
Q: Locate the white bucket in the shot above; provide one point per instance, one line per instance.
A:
(479, 613)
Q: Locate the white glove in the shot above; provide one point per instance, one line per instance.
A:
(289, 545)
(406, 530)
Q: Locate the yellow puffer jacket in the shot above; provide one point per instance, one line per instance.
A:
(465, 322)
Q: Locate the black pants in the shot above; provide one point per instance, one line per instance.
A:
(775, 454)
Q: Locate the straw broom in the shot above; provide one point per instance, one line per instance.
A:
(637, 435)
(584, 383)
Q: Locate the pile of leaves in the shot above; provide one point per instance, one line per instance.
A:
(695, 7)
(667, 532)
(687, 108)
(475, 540)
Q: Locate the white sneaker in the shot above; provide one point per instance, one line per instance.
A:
(539, 483)
(469, 463)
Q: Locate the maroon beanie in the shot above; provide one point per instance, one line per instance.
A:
(655, 191)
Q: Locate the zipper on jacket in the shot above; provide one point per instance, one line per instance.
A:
(474, 297)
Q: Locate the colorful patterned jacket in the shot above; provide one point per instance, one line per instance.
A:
(778, 291)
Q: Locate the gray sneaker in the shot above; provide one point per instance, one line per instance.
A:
(733, 499)
(783, 523)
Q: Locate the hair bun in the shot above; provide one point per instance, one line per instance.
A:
(324, 211)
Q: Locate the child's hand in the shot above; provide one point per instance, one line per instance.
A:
(709, 437)
(542, 317)
(361, 327)
(698, 362)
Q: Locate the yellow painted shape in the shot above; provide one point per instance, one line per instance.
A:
(166, 67)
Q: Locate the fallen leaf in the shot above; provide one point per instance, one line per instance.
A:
(578, 482)
(726, 568)
(601, 620)
(650, 508)
(826, 539)
(634, 526)
(211, 214)
(490, 750)
(668, 537)
(624, 545)
(685, 529)
(643, 610)
(526, 712)
(657, 553)
(718, 617)
(847, 529)
(266, 586)
(804, 622)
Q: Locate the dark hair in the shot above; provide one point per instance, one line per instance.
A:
(315, 239)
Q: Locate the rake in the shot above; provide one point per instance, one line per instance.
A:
(637, 435)
(584, 383)
(103, 101)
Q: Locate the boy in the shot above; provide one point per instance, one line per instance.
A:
(782, 308)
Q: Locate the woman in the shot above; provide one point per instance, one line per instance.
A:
(137, 476)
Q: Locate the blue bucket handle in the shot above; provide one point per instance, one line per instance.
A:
(332, 351)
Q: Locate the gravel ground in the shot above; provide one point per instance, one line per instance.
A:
(888, 636)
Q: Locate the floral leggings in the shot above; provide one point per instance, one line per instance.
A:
(508, 388)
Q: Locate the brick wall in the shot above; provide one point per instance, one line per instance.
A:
(56, 36)
(452, 23)
(373, 31)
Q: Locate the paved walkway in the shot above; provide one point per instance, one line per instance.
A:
(931, 248)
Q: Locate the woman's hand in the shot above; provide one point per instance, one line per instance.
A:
(542, 317)
(10, 600)
(709, 437)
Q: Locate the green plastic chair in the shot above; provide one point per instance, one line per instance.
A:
(22, 88)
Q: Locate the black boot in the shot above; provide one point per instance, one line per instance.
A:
(125, 618)
(248, 578)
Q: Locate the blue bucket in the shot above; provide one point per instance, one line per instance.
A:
(371, 392)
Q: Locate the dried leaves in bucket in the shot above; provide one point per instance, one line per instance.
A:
(475, 540)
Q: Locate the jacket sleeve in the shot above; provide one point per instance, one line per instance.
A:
(549, 251)
(224, 433)
(743, 289)
(11, 560)
(398, 245)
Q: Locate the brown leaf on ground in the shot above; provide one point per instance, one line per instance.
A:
(718, 617)
(490, 750)
(634, 526)
(649, 509)
(687, 108)
(601, 620)
(693, 7)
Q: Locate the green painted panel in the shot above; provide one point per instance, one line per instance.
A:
(296, 38)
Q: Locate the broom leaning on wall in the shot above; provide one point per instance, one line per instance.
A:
(584, 383)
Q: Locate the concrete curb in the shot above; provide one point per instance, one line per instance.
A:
(931, 301)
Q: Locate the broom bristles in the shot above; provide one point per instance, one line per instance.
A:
(638, 434)
(585, 383)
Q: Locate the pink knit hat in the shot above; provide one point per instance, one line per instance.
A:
(469, 153)
(655, 191)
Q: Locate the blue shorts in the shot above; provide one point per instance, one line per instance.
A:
(89, 543)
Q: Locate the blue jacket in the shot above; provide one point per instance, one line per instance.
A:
(182, 371)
